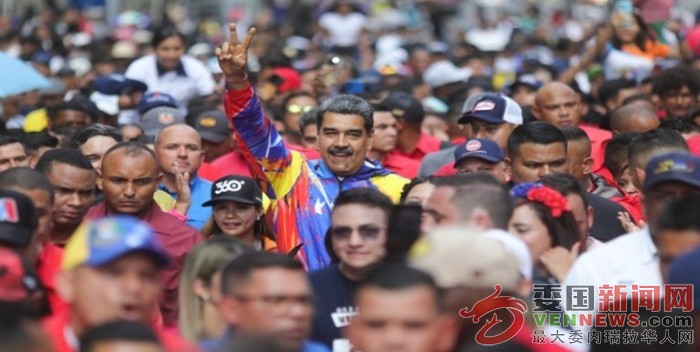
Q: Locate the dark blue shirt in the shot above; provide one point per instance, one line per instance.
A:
(334, 304)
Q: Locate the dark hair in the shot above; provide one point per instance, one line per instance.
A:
(396, 276)
(7, 140)
(97, 129)
(565, 184)
(537, 132)
(238, 272)
(414, 182)
(563, 231)
(674, 79)
(131, 149)
(24, 178)
(680, 125)
(66, 156)
(617, 150)
(610, 89)
(644, 35)
(163, 33)
(480, 190)
(575, 134)
(308, 119)
(117, 331)
(345, 104)
(366, 196)
(73, 104)
(637, 97)
(653, 143)
(681, 214)
(32, 141)
(17, 335)
(295, 94)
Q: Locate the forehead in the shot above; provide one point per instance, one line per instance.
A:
(63, 172)
(383, 117)
(376, 302)
(104, 141)
(556, 94)
(541, 152)
(348, 214)
(279, 281)
(473, 162)
(302, 99)
(12, 148)
(70, 113)
(342, 121)
(128, 164)
(179, 133)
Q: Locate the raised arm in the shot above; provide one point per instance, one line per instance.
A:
(258, 140)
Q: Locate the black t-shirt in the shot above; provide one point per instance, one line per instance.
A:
(334, 304)
(606, 225)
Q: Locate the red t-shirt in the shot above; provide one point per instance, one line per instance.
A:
(599, 139)
(401, 165)
(426, 144)
(48, 265)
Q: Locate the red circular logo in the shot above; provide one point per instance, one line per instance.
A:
(473, 145)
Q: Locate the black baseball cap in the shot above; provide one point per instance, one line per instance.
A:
(213, 126)
(18, 218)
(235, 188)
(404, 105)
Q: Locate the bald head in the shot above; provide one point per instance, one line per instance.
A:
(558, 104)
(179, 149)
(633, 118)
(168, 132)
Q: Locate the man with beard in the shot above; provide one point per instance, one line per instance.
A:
(304, 190)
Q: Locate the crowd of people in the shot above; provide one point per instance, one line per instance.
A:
(347, 176)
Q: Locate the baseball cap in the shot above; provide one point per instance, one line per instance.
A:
(405, 106)
(291, 79)
(18, 218)
(154, 100)
(17, 279)
(463, 257)
(104, 240)
(158, 118)
(445, 72)
(480, 148)
(527, 80)
(235, 188)
(494, 108)
(679, 167)
(117, 84)
(213, 126)
(124, 49)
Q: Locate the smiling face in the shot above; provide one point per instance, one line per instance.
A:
(343, 142)
(359, 235)
(236, 219)
(169, 52)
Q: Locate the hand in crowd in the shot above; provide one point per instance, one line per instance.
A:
(184, 192)
(233, 57)
(558, 260)
(628, 224)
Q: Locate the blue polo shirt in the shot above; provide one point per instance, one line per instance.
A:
(200, 190)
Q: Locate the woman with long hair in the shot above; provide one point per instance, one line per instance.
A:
(200, 287)
(238, 213)
(542, 218)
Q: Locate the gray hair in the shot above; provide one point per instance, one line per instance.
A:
(346, 104)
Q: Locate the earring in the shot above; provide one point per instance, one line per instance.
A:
(205, 297)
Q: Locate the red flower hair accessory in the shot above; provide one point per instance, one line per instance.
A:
(550, 198)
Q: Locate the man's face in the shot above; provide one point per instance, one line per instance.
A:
(275, 303)
(659, 196)
(560, 107)
(621, 96)
(579, 155)
(385, 132)
(179, 148)
(343, 143)
(129, 182)
(213, 150)
(498, 133)
(439, 210)
(126, 345)
(95, 147)
(127, 288)
(470, 165)
(295, 108)
(74, 191)
(406, 320)
(582, 215)
(536, 160)
(358, 235)
(13, 155)
(524, 95)
(70, 118)
(673, 244)
(679, 103)
(309, 137)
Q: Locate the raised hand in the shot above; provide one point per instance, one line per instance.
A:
(233, 57)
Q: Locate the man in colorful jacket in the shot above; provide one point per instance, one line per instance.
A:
(304, 190)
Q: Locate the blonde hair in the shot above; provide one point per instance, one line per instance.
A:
(201, 264)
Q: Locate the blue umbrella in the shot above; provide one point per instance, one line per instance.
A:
(17, 76)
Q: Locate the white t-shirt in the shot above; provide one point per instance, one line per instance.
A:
(344, 30)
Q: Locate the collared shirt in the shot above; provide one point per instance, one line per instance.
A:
(197, 80)
(426, 144)
(177, 239)
(200, 192)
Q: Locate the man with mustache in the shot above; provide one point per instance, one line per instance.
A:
(304, 190)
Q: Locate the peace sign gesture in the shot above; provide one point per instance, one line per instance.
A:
(233, 57)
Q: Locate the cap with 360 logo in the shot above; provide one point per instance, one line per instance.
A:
(235, 188)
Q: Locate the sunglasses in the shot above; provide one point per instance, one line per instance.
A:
(297, 109)
(367, 232)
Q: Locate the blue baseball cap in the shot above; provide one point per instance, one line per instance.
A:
(480, 148)
(117, 84)
(102, 241)
(154, 100)
(493, 108)
(678, 167)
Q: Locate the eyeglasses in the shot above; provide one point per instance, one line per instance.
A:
(367, 232)
(279, 304)
(297, 109)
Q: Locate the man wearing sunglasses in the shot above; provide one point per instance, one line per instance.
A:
(357, 239)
